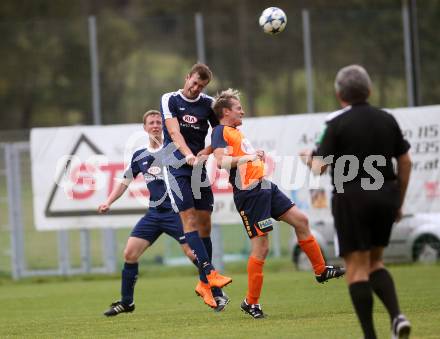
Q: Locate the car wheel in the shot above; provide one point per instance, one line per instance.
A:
(426, 249)
(301, 260)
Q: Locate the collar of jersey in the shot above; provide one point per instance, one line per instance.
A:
(186, 99)
(153, 150)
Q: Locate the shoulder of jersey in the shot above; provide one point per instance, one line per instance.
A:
(139, 153)
(334, 115)
(207, 97)
(170, 94)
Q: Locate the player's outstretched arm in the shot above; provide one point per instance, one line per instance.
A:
(173, 128)
(227, 162)
(115, 194)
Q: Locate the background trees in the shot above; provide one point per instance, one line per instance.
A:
(145, 48)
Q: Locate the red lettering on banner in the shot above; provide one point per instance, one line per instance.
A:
(432, 189)
(84, 182)
(112, 169)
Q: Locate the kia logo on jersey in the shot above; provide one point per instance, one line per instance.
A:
(154, 170)
(189, 119)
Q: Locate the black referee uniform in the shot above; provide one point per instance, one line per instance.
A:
(363, 216)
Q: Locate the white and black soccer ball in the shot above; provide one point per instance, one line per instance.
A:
(273, 20)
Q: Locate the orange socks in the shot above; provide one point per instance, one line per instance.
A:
(313, 251)
(255, 279)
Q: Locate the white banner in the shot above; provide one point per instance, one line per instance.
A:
(73, 169)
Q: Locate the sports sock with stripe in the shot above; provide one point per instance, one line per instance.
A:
(216, 292)
(255, 279)
(202, 275)
(311, 248)
(128, 280)
(196, 244)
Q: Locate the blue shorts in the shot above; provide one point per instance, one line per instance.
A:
(155, 222)
(186, 190)
(258, 205)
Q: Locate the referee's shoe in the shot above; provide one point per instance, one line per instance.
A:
(330, 272)
(119, 307)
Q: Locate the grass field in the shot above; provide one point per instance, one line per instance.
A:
(167, 307)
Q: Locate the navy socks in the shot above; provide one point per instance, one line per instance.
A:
(216, 292)
(196, 244)
(129, 277)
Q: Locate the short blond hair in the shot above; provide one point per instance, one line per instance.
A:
(223, 100)
(148, 113)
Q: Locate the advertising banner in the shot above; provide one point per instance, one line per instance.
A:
(74, 169)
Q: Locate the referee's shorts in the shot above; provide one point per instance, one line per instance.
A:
(363, 219)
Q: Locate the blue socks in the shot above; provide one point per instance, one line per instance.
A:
(216, 292)
(196, 244)
(202, 275)
(129, 277)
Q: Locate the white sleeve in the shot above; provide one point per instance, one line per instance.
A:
(165, 103)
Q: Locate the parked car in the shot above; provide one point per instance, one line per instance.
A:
(414, 238)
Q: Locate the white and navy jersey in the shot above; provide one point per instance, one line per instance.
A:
(151, 164)
(193, 117)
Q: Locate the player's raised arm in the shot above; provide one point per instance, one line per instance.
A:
(172, 125)
(226, 161)
(116, 193)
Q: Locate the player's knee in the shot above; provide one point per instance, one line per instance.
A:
(260, 250)
(130, 256)
(302, 223)
(265, 251)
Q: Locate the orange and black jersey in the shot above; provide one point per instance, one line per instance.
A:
(236, 145)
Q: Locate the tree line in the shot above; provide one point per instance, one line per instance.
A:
(145, 48)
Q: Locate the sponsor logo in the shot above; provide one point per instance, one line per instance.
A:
(182, 108)
(189, 119)
(264, 224)
(246, 223)
(154, 170)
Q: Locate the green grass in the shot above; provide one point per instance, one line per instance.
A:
(167, 307)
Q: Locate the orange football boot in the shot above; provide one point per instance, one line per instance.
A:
(203, 290)
(215, 279)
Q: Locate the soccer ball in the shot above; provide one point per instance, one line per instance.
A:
(273, 20)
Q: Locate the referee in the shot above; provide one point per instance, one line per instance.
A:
(359, 143)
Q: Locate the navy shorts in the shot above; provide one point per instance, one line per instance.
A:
(258, 205)
(364, 219)
(187, 190)
(155, 222)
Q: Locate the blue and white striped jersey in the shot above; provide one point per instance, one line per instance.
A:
(151, 164)
(193, 116)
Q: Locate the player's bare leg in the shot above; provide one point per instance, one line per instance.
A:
(299, 221)
(134, 248)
